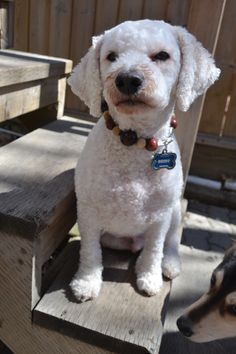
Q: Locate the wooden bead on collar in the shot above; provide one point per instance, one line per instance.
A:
(151, 144)
(128, 137)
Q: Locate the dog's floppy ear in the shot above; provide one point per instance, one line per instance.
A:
(85, 79)
(198, 70)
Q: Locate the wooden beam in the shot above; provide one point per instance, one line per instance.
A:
(207, 32)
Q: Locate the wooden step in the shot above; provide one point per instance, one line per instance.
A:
(37, 189)
(120, 319)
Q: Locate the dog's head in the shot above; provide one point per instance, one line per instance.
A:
(143, 66)
(213, 316)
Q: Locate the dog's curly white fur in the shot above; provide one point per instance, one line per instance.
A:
(121, 201)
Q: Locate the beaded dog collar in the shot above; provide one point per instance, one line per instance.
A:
(129, 137)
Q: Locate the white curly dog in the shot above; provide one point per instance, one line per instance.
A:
(141, 69)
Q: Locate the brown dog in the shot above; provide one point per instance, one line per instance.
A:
(213, 316)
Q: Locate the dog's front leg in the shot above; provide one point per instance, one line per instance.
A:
(87, 282)
(148, 266)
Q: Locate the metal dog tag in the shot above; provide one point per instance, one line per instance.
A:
(164, 160)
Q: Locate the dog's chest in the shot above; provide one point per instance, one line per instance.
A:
(120, 180)
(137, 185)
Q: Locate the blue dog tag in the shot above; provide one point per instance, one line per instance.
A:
(164, 160)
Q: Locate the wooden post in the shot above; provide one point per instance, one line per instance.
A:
(207, 32)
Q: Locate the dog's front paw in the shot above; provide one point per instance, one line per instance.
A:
(171, 266)
(85, 289)
(150, 283)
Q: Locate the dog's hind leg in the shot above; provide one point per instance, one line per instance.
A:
(171, 260)
(87, 282)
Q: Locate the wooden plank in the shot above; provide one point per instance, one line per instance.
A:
(213, 162)
(60, 28)
(106, 15)
(216, 141)
(130, 10)
(197, 21)
(10, 24)
(230, 124)
(222, 198)
(19, 67)
(155, 10)
(113, 320)
(207, 32)
(21, 25)
(15, 101)
(16, 329)
(82, 17)
(216, 98)
(177, 12)
(46, 168)
(39, 26)
(4, 25)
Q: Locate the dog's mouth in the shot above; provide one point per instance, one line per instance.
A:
(130, 102)
(133, 103)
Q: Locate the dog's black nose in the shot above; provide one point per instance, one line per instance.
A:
(185, 326)
(129, 82)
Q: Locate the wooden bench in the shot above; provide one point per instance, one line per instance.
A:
(38, 313)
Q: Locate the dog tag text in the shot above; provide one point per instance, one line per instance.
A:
(164, 160)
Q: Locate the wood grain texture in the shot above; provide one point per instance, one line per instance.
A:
(21, 25)
(69, 25)
(39, 26)
(154, 10)
(216, 98)
(82, 28)
(24, 76)
(130, 10)
(213, 162)
(37, 211)
(177, 12)
(17, 330)
(18, 67)
(216, 141)
(4, 25)
(106, 15)
(229, 129)
(45, 169)
(16, 102)
(206, 31)
(120, 318)
(221, 198)
(60, 27)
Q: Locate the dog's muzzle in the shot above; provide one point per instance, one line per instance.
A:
(129, 82)
(185, 326)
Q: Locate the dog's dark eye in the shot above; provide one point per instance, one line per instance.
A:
(232, 309)
(213, 280)
(163, 56)
(112, 56)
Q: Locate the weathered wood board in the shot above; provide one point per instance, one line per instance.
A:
(37, 209)
(35, 167)
(120, 319)
(37, 199)
(17, 67)
(29, 82)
